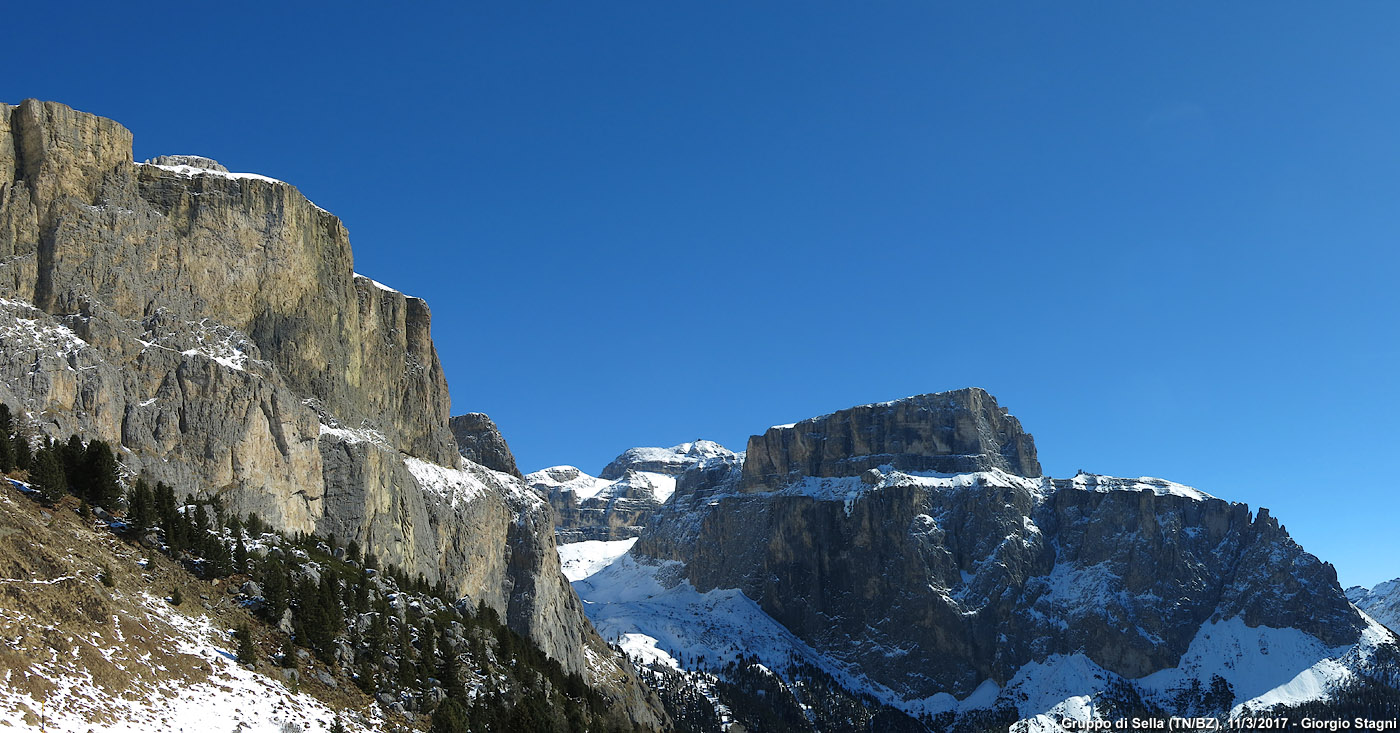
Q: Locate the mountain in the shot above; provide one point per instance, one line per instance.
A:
(912, 551)
(211, 326)
(626, 494)
(1381, 603)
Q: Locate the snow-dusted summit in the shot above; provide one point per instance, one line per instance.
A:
(617, 504)
(1381, 603)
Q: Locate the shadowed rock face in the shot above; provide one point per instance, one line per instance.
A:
(211, 325)
(949, 432)
(933, 584)
(480, 441)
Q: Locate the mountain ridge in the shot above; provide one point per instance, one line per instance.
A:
(932, 587)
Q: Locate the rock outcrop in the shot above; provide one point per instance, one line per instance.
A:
(949, 432)
(211, 325)
(480, 441)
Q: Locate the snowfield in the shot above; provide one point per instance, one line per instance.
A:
(584, 559)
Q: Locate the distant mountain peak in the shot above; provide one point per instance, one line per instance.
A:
(959, 431)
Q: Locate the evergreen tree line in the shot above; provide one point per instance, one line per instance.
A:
(88, 471)
(420, 650)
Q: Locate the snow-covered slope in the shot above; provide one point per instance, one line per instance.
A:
(179, 675)
(79, 653)
(580, 560)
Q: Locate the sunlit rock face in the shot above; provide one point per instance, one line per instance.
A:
(949, 432)
(211, 325)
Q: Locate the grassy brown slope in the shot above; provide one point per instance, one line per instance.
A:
(60, 621)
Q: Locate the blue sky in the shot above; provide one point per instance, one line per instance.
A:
(1162, 235)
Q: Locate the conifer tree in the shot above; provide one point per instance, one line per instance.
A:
(171, 523)
(47, 476)
(366, 678)
(23, 454)
(274, 587)
(99, 470)
(328, 597)
(450, 717)
(219, 557)
(362, 593)
(247, 652)
(427, 637)
(289, 654)
(200, 525)
(407, 671)
(141, 506)
(240, 553)
(7, 447)
(72, 454)
(450, 672)
(378, 635)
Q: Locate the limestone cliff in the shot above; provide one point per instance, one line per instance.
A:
(480, 441)
(211, 324)
(951, 432)
(914, 546)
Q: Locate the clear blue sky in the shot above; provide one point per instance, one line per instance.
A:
(1163, 234)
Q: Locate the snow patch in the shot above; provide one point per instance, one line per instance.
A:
(568, 479)
(382, 286)
(581, 560)
(1265, 666)
(654, 606)
(453, 485)
(1158, 486)
(37, 331)
(190, 171)
(353, 435)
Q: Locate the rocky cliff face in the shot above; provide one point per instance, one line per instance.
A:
(480, 441)
(950, 432)
(915, 548)
(627, 494)
(1381, 603)
(211, 325)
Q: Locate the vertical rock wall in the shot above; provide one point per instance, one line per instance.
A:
(211, 325)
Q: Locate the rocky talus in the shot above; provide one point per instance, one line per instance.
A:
(211, 324)
(916, 543)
